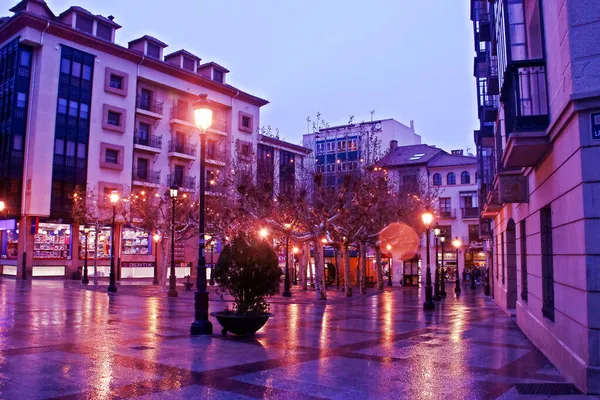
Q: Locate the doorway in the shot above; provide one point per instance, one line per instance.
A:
(511, 264)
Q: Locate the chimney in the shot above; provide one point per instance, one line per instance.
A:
(412, 125)
(457, 152)
(393, 144)
(111, 17)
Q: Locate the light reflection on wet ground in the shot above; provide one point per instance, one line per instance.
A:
(61, 341)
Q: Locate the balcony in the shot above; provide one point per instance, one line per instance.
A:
(526, 110)
(219, 126)
(492, 205)
(182, 116)
(145, 142)
(448, 214)
(493, 85)
(490, 108)
(145, 177)
(470, 212)
(182, 150)
(216, 156)
(151, 108)
(485, 28)
(182, 182)
(484, 136)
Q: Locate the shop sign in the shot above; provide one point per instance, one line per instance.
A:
(476, 245)
(137, 264)
(513, 189)
(596, 126)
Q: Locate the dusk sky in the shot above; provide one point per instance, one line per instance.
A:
(405, 59)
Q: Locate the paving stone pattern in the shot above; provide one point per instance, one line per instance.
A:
(62, 341)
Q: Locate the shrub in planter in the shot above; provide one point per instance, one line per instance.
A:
(248, 270)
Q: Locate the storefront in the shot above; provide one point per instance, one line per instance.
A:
(98, 249)
(52, 247)
(450, 264)
(475, 259)
(136, 253)
(9, 231)
(411, 271)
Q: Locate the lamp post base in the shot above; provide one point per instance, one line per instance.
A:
(287, 293)
(172, 293)
(155, 281)
(428, 304)
(457, 291)
(201, 324)
(201, 328)
(112, 288)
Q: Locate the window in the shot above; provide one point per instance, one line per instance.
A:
(143, 131)
(409, 183)
(81, 151)
(523, 260)
(84, 24)
(153, 50)
(142, 168)
(451, 178)
(178, 175)
(116, 81)
(437, 180)
(104, 31)
(217, 75)
(114, 118)
(73, 108)
(547, 263)
(111, 156)
(246, 122)
(65, 66)
(445, 207)
(59, 147)
(145, 99)
(18, 143)
(468, 200)
(189, 64)
(87, 72)
(62, 106)
(473, 233)
(465, 178)
(84, 111)
(76, 71)
(21, 100)
(211, 147)
(25, 59)
(70, 148)
(245, 150)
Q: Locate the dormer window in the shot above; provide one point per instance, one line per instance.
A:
(189, 64)
(84, 24)
(104, 31)
(218, 75)
(153, 50)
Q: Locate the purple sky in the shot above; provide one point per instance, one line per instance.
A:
(405, 59)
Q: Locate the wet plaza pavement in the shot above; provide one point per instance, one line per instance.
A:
(61, 341)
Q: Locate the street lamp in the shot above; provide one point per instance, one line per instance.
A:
(456, 243)
(436, 233)
(172, 279)
(428, 304)
(442, 272)
(389, 249)
(263, 233)
(2, 206)
(112, 287)
(156, 238)
(85, 279)
(201, 325)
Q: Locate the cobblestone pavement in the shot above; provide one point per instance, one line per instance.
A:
(59, 340)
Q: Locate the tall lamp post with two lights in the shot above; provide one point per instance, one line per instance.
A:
(457, 243)
(201, 325)
(112, 286)
(436, 234)
(172, 278)
(428, 304)
(442, 272)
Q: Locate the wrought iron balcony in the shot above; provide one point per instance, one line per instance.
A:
(182, 148)
(216, 154)
(470, 212)
(448, 214)
(147, 140)
(182, 182)
(182, 114)
(490, 108)
(493, 85)
(145, 175)
(150, 105)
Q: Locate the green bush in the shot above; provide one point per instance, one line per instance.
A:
(248, 269)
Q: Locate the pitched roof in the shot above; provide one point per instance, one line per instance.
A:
(410, 155)
(214, 65)
(22, 4)
(184, 52)
(150, 39)
(450, 160)
(88, 13)
(282, 143)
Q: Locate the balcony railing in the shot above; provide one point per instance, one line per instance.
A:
(147, 104)
(182, 148)
(448, 214)
(216, 154)
(146, 175)
(470, 212)
(182, 113)
(147, 140)
(182, 182)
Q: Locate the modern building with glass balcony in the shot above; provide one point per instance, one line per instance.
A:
(538, 144)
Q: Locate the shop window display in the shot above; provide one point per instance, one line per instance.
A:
(10, 244)
(52, 241)
(103, 243)
(136, 242)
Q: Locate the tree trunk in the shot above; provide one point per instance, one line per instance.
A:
(347, 276)
(164, 271)
(320, 289)
(378, 267)
(363, 268)
(304, 256)
(338, 268)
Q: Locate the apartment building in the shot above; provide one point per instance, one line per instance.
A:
(78, 110)
(346, 148)
(451, 178)
(536, 68)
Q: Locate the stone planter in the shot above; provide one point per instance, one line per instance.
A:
(239, 324)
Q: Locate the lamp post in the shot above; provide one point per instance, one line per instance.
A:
(437, 295)
(295, 252)
(389, 249)
(456, 243)
(428, 304)
(172, 278)
(85, 279)
(112, 287)
(201, 325)
(442, 272)
(156, 238)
